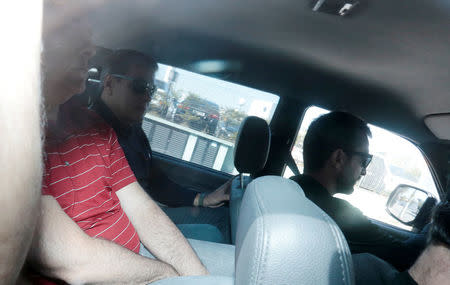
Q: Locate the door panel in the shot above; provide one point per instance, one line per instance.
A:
(396, 232)
(189, 175)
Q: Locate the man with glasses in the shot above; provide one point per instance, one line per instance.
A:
(335, 156)
(128, 85)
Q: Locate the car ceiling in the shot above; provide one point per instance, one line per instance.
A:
(387, 63)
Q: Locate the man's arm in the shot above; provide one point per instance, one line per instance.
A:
(364, 236)
(166, 191)
(63, 251)
(157, 232)
(20, 148)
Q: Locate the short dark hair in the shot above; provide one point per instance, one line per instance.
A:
(329, 132)
(120, 61)
(439, 233)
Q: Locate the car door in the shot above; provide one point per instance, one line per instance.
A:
(200, 159)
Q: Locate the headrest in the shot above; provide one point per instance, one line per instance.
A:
(94, 88)
(252, 145)
(284, 238)
(90, 93)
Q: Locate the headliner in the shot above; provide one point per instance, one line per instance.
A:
(388, 63)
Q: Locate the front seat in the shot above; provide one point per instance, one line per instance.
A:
(250, 156)
(283, 238)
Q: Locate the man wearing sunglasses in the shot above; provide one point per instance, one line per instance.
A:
(128, 87)
(335, 156)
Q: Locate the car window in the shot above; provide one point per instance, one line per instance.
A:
(196, 118)
(395, 161)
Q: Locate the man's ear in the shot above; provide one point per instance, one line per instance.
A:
(338, 158)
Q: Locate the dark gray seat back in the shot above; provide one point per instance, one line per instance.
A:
(250, 156)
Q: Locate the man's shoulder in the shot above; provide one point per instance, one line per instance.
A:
(351, 220)
(307, 183)
(312, 188)
(318, 194)
(347, 208)
(77, 128)
(74, 118)
(340, 210)
(296, 178)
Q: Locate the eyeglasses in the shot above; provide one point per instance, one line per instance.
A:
(139, 86)
(366, 157)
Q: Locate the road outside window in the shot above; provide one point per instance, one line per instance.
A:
(395, 161)
(196, 118)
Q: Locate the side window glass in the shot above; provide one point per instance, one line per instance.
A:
(196, 118)
(395, 161)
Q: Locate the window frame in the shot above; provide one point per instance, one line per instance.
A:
(203, 135)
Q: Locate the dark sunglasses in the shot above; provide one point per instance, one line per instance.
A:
(139, 86)
(366, 157)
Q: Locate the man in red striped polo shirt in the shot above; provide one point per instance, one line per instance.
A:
(88, 179)
(84, 171)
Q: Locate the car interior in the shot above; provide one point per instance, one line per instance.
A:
(385, 61)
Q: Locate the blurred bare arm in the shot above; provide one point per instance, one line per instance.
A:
(63, 251)
(157, 232)
(20, 149)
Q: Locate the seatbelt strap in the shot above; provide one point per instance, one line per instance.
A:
(290, 162)
(448, 176)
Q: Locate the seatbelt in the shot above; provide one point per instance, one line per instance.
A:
(290, 162)
(448, 176)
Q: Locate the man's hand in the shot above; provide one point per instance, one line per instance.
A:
(219, 196)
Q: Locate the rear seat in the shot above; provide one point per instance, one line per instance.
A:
(250, 156)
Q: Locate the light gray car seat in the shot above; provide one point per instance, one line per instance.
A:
(250, 156)
(283, 238)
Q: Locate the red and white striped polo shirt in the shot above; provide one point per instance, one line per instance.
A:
(83, 173)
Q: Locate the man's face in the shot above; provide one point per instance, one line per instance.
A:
(353, 168)
(128, 105)
(65, 60)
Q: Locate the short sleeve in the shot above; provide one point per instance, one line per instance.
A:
(121, 173)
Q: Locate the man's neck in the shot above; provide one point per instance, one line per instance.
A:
(432, 267)
(123, 123)
(324, 180)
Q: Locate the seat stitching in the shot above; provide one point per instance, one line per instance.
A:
(255, 267)
(266, 237)
(336, 239)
